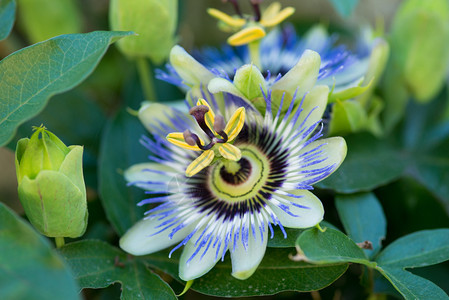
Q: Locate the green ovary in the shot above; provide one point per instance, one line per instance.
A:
(241, 180)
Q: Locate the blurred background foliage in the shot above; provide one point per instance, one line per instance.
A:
(413, 192)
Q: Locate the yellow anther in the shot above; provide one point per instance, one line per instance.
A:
(246, 36)
(219, 142)
(230, 152)
(235, 124)
(200, 163)
(227, 19)
(271, 11)
(210, 116)
(177, 138)
(271, 20)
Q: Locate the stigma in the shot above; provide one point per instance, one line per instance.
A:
(218, 134)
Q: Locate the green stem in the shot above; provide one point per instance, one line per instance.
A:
(59, 242)
(254, 53)
(146, 79)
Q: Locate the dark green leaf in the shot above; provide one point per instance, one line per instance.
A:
(96, 264)
(278, 240)
(438, 274)
(406, 201)
(29, 268)
(275, 274)
(412, 286)
(345, 7)
(29, 77)
(330, 246)
(370, 163)
(120, 148)
(432, 171)
(7, 15)
(422, 248)
(426, 140)
(363, 219)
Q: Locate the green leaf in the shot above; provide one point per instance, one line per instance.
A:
(333, 246)
(412, 286)
(363, 219)
(29, 268)
(426, 140)
(97, 264)
(7, 15)
(344, 7)
(120, 148)
(275, 274)
(347, 116)
(29, 77)
(418, 249)
(432, 171)
(370, 163)
(44, 19)
(330, 246)
(422, 248)
(279, 241)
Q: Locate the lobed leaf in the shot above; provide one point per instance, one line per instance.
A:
(330, 246)
(275, 274)
(370, 163)
(97, 264)
(363, 219)
(419, 249)
(411, 286)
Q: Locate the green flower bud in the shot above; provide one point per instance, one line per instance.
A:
(154, 23)
(44, 19)
(420, 46)
(51, 185)
(250, 82)
(347, 116)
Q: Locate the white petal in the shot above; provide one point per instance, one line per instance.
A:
(138, 240)
(188, 68)
(199, 264)
(141, 174)
(348, 76)
(218, 85)
(314, 103)
(151, 114)
(316, 38)
(310, 214)
(333, 149)
(302, 76)
(246, 261)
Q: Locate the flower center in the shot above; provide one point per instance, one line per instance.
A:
(236, 172)
(241, 180)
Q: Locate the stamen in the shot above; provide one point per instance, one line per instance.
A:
(188, 137)
(235, 4)
(256, 8)
(219, 126)
(192, 140)
(199, 112)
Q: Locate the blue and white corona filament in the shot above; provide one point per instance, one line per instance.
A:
(230, 200)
